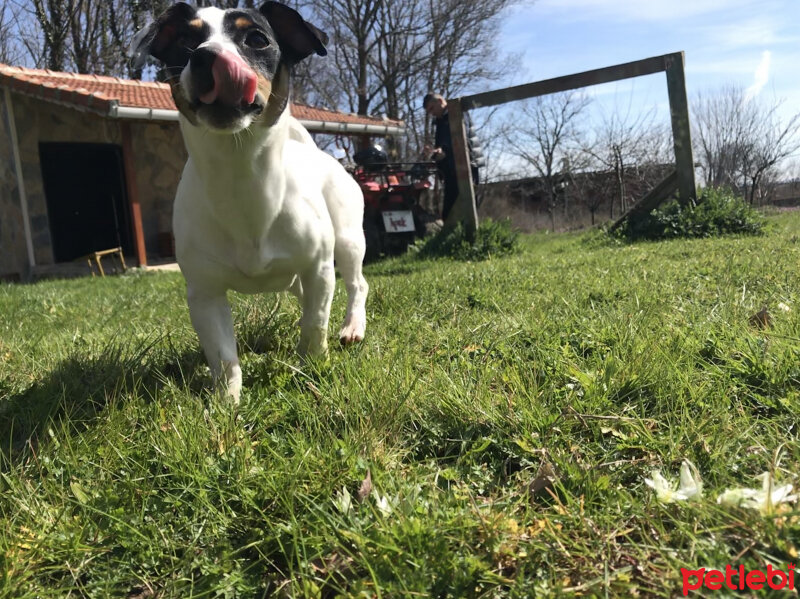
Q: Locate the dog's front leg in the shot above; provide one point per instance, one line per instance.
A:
(318, 285)
(349, 253)
(211, 317)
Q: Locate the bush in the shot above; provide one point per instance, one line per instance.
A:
(494, 238)
(718, 212)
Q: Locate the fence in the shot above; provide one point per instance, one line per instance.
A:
(672, 64)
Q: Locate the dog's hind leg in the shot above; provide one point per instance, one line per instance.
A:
(349, 252)
(211, 317)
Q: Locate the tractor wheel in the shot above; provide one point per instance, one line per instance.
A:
(372, 236)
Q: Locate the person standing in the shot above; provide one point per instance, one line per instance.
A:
(442, 149)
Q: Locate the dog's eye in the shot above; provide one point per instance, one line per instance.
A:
(256, 40)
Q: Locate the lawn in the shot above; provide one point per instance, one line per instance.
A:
(490, 437)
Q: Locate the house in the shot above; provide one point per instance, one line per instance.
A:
(89, 162)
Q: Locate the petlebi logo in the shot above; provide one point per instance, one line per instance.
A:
(737, 579)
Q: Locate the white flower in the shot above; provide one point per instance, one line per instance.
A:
(343, 501)
(765, 500)
(737, 497)
(664, 491)
(691, 483)
(784, 307)
(383, 504)
(690, 486)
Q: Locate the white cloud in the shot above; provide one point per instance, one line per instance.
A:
(761, 76)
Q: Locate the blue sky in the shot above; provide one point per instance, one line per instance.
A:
(755, 44)
(748, 43)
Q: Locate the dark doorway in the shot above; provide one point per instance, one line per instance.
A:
(86, 202)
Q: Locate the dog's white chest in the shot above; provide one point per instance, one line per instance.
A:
(259, 258)
(244, 264)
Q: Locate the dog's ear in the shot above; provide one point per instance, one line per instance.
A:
(296, 37)
(156, 39)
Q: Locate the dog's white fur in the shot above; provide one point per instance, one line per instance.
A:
(265, 210)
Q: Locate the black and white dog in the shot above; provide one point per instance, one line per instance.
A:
(259, 207)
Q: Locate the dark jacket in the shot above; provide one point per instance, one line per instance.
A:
(443, 139)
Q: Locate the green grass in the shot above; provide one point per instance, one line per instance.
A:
(123, 475)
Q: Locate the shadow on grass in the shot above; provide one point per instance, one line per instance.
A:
(80, 387)
(84, 384)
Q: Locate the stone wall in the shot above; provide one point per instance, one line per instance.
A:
(13, 251)
(159, 157)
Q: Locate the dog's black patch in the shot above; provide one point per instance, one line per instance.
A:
(255, 39)
(297, 37)
(174, 36)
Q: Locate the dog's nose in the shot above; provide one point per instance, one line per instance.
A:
(201, 63)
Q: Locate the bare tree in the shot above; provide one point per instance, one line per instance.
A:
(628, 144)
(11, 49)
(384, 55)
(544, 135)
(86, 36)
(54, 16)
(772, 143)
(741, 140)
(587, 189)
(92, 49)
(352, 26)
(25, 36)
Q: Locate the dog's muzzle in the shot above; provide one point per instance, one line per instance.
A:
(222, 77)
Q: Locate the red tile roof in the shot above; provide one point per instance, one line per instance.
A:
(98, 93)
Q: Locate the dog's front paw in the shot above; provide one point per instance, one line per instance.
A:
(353, 330)
(313, 343)
(231, 385)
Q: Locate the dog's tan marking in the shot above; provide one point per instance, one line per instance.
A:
(196, 23)
(278, 96)
(264, 87)
(243, 23)
(183, 105)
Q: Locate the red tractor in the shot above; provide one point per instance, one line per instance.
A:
(394, 194)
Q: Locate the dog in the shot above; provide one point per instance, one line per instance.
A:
(259, 207)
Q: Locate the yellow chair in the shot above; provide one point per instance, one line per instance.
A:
(94, 259)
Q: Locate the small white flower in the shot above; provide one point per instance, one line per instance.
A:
(691, 483)
(784, 307)
(343, 501)
(665, 492)
(383, 504)
(690, 486)
(765, 500)
(736, 497)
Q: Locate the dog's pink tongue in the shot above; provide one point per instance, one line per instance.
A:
(234, 82)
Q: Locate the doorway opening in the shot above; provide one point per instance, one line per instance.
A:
(84, 185)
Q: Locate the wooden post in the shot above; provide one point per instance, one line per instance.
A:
(133, 192)
(618, 72)
(652, 200)
(681, 130)
(672, 64)
(464, 210)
